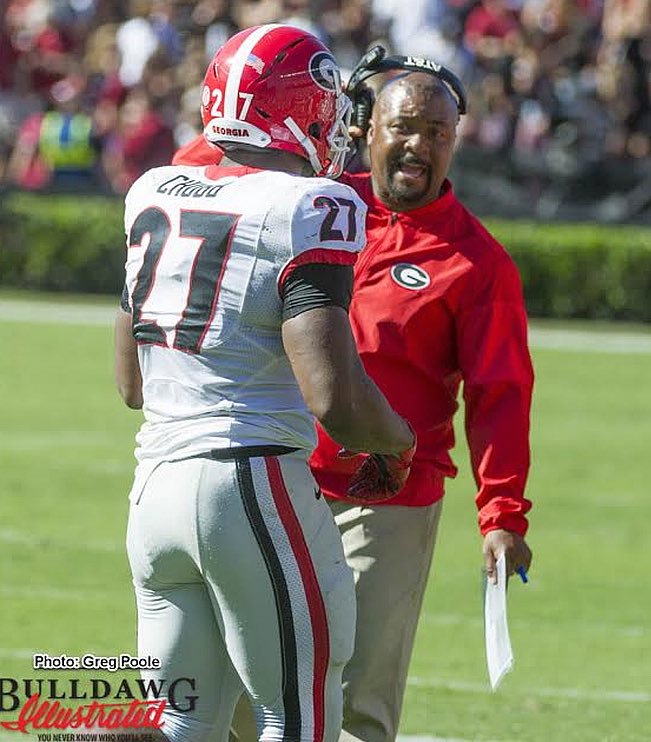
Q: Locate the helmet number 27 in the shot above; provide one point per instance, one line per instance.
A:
(216, 108)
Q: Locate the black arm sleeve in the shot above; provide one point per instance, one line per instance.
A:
(316, 285)
(124, 300)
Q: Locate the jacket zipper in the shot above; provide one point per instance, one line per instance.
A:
(366, 254)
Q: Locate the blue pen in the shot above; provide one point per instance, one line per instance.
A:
(523, 574)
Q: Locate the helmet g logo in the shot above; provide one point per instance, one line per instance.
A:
(410, 276)
(324, 72)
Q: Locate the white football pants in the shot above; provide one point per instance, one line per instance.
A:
(389, 548)
(242, 585)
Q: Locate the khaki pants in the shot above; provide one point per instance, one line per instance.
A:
(390, 550)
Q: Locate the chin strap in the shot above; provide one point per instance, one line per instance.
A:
(306, 143)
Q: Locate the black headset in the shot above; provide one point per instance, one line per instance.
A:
(375, 62)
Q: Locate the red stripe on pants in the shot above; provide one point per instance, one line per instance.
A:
(312, 589)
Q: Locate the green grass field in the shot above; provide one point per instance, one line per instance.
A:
(581, 629)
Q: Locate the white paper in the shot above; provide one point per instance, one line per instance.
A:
(499, 655)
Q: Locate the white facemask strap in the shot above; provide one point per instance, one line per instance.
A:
(339, 138)
(306, 143)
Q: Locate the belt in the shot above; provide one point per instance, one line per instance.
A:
(245, 452)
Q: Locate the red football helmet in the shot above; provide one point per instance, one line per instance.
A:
(279, 87)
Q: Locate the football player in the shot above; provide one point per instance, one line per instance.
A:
(233, 333)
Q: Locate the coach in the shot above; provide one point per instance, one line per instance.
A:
(437, 302)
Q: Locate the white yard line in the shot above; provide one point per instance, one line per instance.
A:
(18, 310)
(590, 341)
(16, 654)
(51, 312)
(454, 619)
(36, 440)
(14, 537)
(44, 593)
(579, 694)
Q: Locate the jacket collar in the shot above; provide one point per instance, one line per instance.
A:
(424, 213)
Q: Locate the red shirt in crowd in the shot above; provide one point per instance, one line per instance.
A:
(146, 143)
(437, 301)
(490, 19)
(52, 51)
(9, 56)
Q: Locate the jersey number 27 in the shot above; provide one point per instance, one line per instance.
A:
(215, 231)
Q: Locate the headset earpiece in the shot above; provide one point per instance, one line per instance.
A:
(361, 95)
(362, 107)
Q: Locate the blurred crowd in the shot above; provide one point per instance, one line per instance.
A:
(94, 92)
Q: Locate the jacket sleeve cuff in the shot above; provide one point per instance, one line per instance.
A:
(502, 513)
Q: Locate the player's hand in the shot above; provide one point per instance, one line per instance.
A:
(355, 132)
(381, 476)
(515, 549)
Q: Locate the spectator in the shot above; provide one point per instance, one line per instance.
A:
(102, 65)
(301, 14)
(9, 53)
(143, 140)
(350, 28)
(214, 20)
(189, 75)
(493, 117)
(162, 19)
(59, 148)
(423, 31)
(627, 37)
(492, 33)
(256, 12)
(554, 58)
(532, 121)
(51, 55)
(18, 103)
(137, 41)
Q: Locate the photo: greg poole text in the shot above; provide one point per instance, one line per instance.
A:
(42, 661)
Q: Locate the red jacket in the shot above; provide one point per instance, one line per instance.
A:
(438, 301)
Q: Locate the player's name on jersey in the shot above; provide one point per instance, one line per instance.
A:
(41, 661)
(181, 185)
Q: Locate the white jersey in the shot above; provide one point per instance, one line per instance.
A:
(208, 249)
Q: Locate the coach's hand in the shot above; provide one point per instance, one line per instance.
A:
(381, 475)
(355, 132)
(515, 549)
